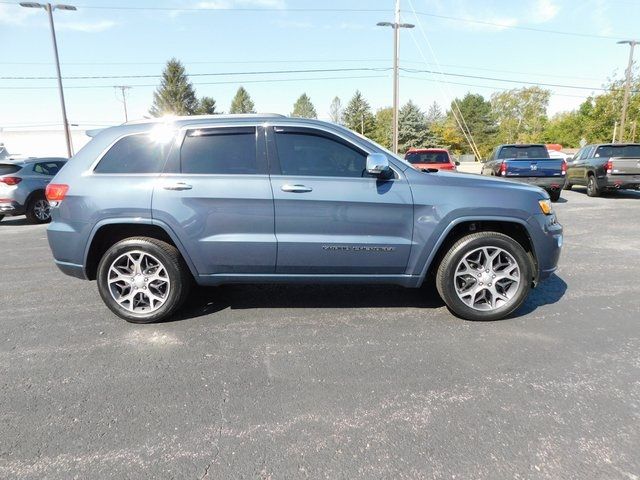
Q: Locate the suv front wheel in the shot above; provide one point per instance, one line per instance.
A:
(143, 280)
(485, 276)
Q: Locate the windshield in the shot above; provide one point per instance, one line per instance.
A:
(427, 157)
(624, 151)
(524, 152)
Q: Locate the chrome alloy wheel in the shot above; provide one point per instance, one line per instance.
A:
(138, 282)
(487, 278)
(42, 210)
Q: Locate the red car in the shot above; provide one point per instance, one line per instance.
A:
(438, 158)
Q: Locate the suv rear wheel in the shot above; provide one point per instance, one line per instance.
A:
(143, 280)
(38, 209)
(485, 276)
(592, 187)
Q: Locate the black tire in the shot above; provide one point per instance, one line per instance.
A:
(554, 195)
(567, 186)
(592, 187)
(1, 217)
(445, 278)
(34, 209)
(177, 271)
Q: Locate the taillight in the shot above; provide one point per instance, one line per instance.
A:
(55, 192)
(564, 167)
(609, 166)
(503, 169)
(10, 180)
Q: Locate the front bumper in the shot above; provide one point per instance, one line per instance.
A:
(547, 238)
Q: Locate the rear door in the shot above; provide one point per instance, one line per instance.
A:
(216, 196)
(331, 217)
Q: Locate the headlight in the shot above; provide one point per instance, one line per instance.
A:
(545, 206)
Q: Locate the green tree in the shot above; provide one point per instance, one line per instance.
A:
(242, 102)
(566, 128)
(175, 95)
(521, 114)
(412, 128)
(206, 106)
(434, 113)
(478, 119)
(357, 115)
(383, 132)
(304, 108)
(335, 110)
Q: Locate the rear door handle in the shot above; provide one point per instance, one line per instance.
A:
(177, 186)
(296, 188)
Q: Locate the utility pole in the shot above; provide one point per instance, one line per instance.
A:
(396, 25)
(49, 9)
(123, 91)
(627, 86)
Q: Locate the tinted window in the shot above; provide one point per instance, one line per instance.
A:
(427, 157)
(133, 154)
(6, 169)
(625, 151)
(48, 168)
(307, 154)
(524, 152)
(220, 151)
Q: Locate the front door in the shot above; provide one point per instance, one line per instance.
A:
(217, 198)
(330, 216)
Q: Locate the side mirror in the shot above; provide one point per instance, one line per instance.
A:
(378, 165)
(457, 163)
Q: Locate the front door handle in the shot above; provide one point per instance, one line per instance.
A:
(177, 186)
(296, 188)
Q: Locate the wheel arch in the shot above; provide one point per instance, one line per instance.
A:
(107, 232)
(514, 227)
(32, 195)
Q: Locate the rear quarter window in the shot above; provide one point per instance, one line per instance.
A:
(7, 169)
(133, 154)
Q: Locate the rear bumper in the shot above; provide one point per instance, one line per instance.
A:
(71, 269)
(548, 183)
(11, 208)
(620, 182)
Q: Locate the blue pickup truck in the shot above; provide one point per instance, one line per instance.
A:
(529, 164)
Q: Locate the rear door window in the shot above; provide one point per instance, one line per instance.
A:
(220, 151)
(133, 154)
(47, 168)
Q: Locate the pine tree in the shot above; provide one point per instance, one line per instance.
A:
(242, 102)
(412, 129)
(434, 114)
(357, 115)
(175, 95)
(206, 106)
(335, 110)
(304, 108)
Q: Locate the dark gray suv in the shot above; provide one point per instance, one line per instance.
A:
(147, 208)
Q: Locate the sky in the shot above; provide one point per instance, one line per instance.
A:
(222, 43)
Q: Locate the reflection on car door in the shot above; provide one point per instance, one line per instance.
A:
(330, 216)
(217, 198)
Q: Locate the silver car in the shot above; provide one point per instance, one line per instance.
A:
(22, 185)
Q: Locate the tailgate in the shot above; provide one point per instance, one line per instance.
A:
(625, 166)
(534, 167)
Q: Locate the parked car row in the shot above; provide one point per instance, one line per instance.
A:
(601, 167)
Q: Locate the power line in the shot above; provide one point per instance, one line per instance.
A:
(340, 10)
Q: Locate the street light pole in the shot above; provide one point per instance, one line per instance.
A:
(627, 87)
(49, 9)
(396, 54)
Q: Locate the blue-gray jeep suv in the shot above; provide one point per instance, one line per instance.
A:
(148, 207)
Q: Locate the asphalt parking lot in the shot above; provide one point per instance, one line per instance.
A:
(328, 382)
